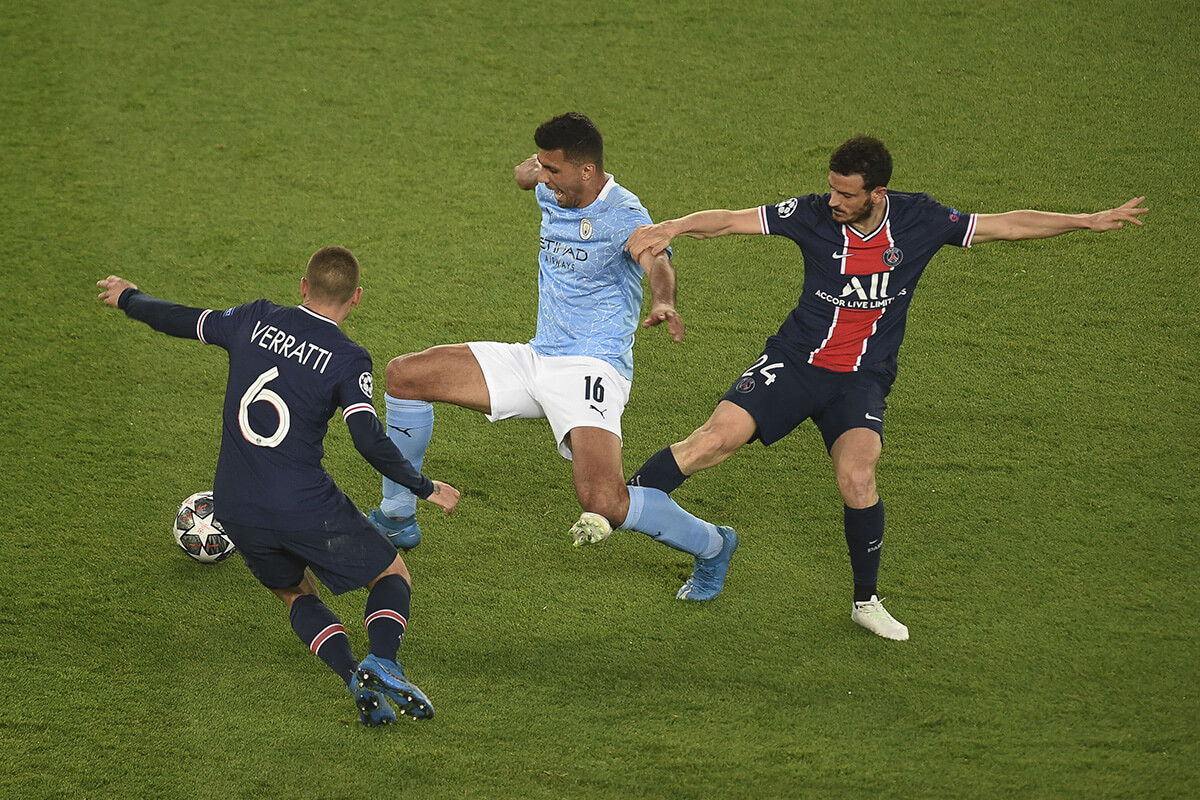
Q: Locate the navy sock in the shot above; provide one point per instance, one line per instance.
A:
(322, 632)
(660, 471)
(386, 616)
(864, 538)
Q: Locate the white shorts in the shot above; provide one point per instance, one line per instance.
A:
(567, 391)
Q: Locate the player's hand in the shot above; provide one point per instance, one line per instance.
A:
(527, 172)
(647, 237)
(444, 495)
(113, 287)
(1117, 217)
(660, 314)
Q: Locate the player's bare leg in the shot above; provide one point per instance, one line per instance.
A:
(723, 434)
(447, 373)
(855, 456)
(599, 484)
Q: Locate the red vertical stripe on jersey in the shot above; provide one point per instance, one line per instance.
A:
(847, 339)
(851, 328)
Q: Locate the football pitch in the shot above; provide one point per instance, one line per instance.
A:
(1041, 461)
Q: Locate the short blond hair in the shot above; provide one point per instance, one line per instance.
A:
(332, 274)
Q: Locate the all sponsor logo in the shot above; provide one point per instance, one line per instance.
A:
(875, 289)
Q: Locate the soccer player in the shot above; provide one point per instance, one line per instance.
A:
(834, 357)
(290, 368)
(577, 370)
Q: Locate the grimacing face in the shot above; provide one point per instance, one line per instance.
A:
(571, 183)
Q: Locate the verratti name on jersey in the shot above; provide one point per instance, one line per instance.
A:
(271, 338)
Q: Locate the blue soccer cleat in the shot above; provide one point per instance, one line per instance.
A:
(387, 677)
(404, 534)
(708, 578)
(373, 707)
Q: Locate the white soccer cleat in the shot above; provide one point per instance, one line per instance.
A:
(590, 528)
(875, 618)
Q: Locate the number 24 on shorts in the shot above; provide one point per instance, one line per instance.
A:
(764, 371)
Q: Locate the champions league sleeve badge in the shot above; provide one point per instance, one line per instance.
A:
(366, 383)
(787, 208)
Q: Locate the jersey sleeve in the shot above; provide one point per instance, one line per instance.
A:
(164, 316)
(371, 441)
(949, 225)
(789, 218)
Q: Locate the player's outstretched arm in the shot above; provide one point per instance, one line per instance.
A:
(698, 225)
(661, 276)
(1019, 225)
(170, 318)
(526, 173)
(445, 496)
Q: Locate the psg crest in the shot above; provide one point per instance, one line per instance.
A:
(893, 256)
(745, 385)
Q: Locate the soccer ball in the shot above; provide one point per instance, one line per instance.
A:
(198, 533)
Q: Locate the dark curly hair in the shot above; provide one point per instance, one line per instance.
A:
(866, 156)
(574, 134)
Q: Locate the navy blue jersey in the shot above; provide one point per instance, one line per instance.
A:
(290, 369)
(857, 288)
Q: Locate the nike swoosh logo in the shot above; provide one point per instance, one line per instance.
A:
(877, 419)
(842, 255)
(405, 431)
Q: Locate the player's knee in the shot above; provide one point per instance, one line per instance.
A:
(857, 485)
(400, 378)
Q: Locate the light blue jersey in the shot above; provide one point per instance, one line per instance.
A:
(589, 288)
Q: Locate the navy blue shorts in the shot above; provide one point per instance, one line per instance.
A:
(780, 393)
(347, 552)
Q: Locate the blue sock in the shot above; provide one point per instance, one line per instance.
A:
(660, 471)
(654, 513)
(322, 632)
(386, 615)
(410, 426)
(864, 538)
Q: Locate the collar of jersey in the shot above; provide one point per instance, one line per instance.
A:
(887, 211)
(321, 317)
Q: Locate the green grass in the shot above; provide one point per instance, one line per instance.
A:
(1041, 465)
